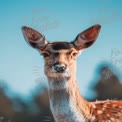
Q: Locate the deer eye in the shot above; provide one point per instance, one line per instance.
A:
(74, 53)
(46, 54)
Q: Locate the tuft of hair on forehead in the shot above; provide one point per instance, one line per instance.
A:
(61, 45)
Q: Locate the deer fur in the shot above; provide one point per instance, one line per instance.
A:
(66, 103)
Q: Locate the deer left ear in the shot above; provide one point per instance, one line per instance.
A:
(87, 37)
(34, 38)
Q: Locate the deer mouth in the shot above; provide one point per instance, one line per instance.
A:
(63, 74)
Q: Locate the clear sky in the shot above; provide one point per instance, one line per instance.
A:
(22, 67)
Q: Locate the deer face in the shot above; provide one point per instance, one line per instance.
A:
(60, 57)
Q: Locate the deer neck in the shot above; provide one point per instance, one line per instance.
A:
(66, 102)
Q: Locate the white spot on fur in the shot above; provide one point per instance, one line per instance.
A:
(99, 112)
(93, 105)
(108, 115)
(112, 119)
(93, 118)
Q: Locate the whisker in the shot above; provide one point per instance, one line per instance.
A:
(36, 73)
(47, 120)
(36, 70)
(48, 117)
(36, 66)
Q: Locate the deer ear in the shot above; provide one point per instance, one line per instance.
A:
(34, 38)
(87, 37)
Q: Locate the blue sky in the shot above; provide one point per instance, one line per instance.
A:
(22, 67)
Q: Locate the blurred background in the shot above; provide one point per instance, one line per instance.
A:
(23, 85)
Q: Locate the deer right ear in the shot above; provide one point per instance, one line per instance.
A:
(87, 37)
(34, 38)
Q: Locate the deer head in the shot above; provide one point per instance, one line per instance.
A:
(60, 57)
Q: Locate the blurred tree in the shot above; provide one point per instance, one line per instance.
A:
(15, 109)
(37, 108)
(6, 110)
(108, 86)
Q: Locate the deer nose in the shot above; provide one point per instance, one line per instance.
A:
(60, 68)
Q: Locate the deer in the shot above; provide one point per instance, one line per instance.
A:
(66, 102)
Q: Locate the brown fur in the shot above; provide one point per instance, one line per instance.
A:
(63, 88)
